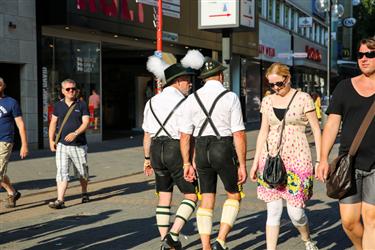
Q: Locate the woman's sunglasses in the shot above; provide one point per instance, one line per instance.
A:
(370, 54)
(278, 84)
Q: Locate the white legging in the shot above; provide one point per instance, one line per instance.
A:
(275, 209)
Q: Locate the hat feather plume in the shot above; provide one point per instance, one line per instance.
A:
(193, 59)
(157, 66)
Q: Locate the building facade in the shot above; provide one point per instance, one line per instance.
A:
(18, 60)
(104, 45)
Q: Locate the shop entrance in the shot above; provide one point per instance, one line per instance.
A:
(11, 75)
(123, 73)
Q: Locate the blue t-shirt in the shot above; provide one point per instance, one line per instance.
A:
(9, 109)
(73, 123)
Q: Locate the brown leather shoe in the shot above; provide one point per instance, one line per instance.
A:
(11, 200)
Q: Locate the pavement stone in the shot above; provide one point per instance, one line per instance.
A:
(121, 212)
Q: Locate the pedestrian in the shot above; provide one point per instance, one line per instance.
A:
(213, 116)
(318, 106)
(294, 150)
(351, 100)
(161, 125)
(10, 112)
(94, 101)
(71, 118)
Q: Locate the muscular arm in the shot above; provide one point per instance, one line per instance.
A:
(185, 147)
(239, 139)
(73, 135)
(51, 133)
(329, 136)
(22, 130)
(147, 169)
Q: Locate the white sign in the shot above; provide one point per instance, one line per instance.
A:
(349, 22)
(170, 7)
(215, 14)
(247, 17)
(304, 22)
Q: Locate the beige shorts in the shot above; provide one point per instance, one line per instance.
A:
(5, 151)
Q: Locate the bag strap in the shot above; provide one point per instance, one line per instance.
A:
(283, 123)
(208, 114)
(162, 127)
(362, 130)
(70, 110)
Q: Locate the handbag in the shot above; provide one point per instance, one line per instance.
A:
(57, 138)
(274, 173)
(341, 171)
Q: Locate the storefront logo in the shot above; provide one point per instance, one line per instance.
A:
(111, 8)
(313, 54)
(268, 51)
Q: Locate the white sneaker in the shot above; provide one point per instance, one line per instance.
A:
(310, 245)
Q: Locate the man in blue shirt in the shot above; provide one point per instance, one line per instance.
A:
(10, 112)
(71, 148)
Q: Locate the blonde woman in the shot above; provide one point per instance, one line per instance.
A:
(294, 151)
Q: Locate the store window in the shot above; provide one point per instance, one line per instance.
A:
(77, 60)
(279, 15)
(251, 90)
(271, 12)
(287, 17)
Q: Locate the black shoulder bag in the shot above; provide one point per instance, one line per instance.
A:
(274, 173)
(341, 171)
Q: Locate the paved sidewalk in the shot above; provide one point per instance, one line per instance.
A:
(121, 212)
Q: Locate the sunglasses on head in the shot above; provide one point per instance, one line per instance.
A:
(70, 89)
(369, 54)
(278, 84)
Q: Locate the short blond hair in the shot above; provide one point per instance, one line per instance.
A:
(278, 69)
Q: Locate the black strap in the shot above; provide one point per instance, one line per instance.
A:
(283, 123)
(162, 125)
(208, 114)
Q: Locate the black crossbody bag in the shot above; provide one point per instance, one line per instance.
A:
(274, 173)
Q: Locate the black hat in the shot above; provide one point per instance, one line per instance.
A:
(210, 68)
(174, 71)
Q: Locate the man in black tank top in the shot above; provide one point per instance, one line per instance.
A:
(213, 116)
(350, 103)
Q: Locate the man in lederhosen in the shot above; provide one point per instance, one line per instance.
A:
(213, 116)
(162, 118)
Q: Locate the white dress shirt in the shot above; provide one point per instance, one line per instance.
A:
(162, 105)
(227, 115)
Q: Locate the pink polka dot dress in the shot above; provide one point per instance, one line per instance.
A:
(295, 152)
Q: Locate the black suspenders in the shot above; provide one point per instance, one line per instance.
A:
(162, 125)
(208, 114)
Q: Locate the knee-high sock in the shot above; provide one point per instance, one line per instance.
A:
(185, 209)
(204, 221)
(297, 215)
(163, 213)
(230, 211)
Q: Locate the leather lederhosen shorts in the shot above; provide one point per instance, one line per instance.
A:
(216, 157)
(167, 163)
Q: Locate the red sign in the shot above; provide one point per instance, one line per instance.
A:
(313, 54)
(268, 51)
(111, 8)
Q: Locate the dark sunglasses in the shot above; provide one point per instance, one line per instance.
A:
(370, 54)
(70, 89)
(278, 84)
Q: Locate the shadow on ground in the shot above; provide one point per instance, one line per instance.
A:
(101, 194)
(325, 229)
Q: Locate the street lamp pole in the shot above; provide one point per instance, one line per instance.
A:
(329, 18)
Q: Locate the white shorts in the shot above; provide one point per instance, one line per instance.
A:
(71, 155)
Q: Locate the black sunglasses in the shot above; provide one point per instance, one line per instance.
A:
(278, 84)
(369, 54)
(70, 89)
